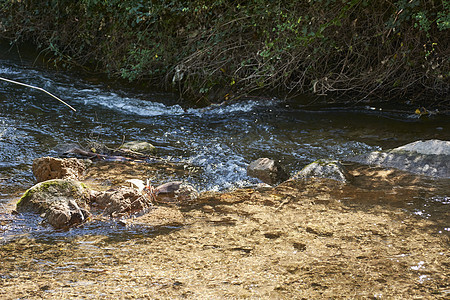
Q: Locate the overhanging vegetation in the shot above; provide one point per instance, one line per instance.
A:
(212, 51)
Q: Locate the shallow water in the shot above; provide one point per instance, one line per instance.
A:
(222, 139)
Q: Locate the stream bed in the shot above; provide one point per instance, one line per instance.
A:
(221, 140)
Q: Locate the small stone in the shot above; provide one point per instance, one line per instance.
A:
(324, 168)
(136, 183)
(176, 192)
(208, 209)
(267, 170)
(139, 146)
(122, 222)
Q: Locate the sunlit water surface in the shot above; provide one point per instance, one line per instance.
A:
(222, 139)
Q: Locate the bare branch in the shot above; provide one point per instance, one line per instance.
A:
(38, 88)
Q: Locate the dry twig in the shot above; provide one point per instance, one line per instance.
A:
(37, 88)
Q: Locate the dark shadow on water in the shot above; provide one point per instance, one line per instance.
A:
(420, 196)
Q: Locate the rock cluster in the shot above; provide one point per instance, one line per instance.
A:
(63, 201)
(429, 158)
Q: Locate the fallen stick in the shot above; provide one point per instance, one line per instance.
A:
(38, 88)
(123, 157)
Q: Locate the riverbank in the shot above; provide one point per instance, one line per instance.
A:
(301, 239)
(353, 240)
(304, 238)
(219, 51)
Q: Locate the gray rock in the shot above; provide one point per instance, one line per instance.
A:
(62, 203)
(428, 147)
(324, 168)
(267, 170)
(139, 146)
(66, 215)
(429, 158)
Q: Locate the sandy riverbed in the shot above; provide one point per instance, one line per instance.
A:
(308, 240)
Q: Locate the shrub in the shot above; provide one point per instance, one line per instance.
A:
(216, 50)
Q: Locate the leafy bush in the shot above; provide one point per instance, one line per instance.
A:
(216, 50)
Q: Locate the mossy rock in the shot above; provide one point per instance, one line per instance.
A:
(45, 195)
(139, 146)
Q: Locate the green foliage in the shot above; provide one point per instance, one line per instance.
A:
(214, 50)
(443, 16)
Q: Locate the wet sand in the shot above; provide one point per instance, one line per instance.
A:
(300, 240)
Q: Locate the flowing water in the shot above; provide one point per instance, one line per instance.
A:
(222, 139)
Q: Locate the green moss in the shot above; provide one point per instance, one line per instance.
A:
(323, 162)
(27, 195)
(58, 184)
(45, 185)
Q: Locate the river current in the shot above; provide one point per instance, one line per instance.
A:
(221, 140)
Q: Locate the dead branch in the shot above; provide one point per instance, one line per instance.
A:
(39, 89)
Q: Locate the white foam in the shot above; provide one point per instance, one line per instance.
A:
(235, 107)
(133, 106)
(8, 71)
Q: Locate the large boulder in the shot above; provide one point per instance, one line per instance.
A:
(46, 168)
(429, 158)
(324, 168)
(267, 170)
(428, 147)
(62, 203)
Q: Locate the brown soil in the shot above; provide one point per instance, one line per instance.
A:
(300, 240)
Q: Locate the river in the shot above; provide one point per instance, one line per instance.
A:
(221, 140)
(301, 239)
